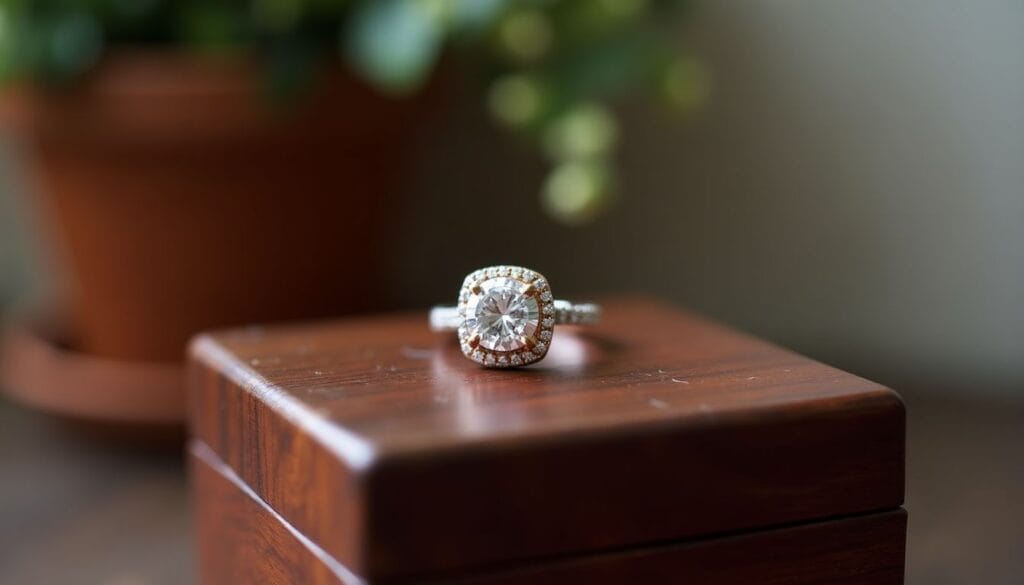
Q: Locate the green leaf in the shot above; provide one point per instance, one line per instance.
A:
(277, 15)
(291, 68)
(585, 131)
(607, 67)
(393, 43)
(594, 18)
(576, 192)
(474, 15)
(518, 100)
(212, 27)
(8, 60)
(525, 35)
(685, 84)
(73, 45)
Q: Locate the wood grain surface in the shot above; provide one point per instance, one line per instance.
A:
(111, 514)
(254, 545)
(379, 442)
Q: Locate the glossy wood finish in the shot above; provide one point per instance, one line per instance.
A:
(379, 442)
(242, 540)
(252, 544)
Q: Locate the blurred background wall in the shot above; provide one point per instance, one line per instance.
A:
(854, 190)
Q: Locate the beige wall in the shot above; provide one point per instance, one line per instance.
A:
(855, 190)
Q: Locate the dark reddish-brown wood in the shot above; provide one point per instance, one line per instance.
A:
(244, 541)
(381, 444)
(241, 539)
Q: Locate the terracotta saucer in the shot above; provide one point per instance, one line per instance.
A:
(39, 369)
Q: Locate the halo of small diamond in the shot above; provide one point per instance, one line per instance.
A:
(526, 287)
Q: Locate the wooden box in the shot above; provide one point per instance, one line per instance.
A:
(657, 447)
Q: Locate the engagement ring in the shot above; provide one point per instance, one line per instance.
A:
(506, 316)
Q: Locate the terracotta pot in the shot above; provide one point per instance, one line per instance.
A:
(38, 368)
(180, 199)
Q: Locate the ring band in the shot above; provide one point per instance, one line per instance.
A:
(506, 316)
(448, 318)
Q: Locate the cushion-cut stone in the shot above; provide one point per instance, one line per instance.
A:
(502, 315)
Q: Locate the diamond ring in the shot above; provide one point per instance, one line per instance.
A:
(506, 316)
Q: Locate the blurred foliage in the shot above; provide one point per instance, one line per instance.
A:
(551, 68)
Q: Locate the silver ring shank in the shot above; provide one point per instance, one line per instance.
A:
(444, 318)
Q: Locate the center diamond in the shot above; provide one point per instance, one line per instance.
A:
(502, 315)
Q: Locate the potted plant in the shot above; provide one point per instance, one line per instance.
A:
(206, 163)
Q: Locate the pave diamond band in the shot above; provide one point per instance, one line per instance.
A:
(506, 316)
(448, 318)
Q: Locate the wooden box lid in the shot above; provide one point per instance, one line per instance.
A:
(379, 442)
